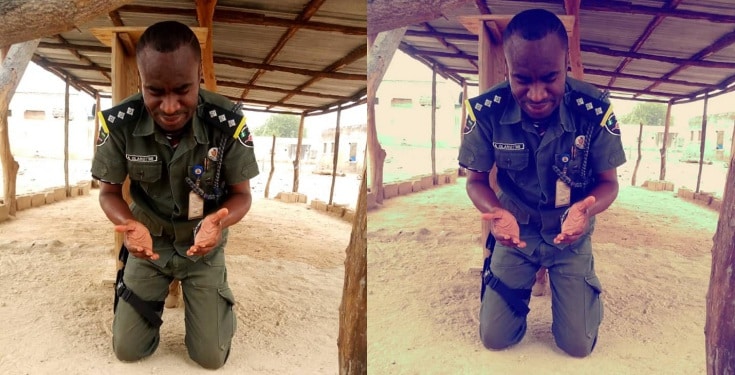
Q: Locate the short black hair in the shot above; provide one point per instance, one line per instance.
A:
(534, 24)
(168, 36)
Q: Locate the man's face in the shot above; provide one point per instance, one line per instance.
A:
(537, 71)
(170, 85)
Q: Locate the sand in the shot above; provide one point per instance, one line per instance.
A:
(285, 266)
(652, 255)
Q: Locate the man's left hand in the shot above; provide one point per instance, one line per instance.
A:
(576, 222)
(209, 234)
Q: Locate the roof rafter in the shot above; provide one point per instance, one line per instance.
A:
(619, 6)
(306, 72)
(309, 10)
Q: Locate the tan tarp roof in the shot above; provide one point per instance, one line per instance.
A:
(282, 56)
(645, 49)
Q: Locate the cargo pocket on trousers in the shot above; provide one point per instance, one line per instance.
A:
(227, 319)
(593, 315)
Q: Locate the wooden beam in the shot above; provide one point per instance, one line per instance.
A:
(443, 35)
(482, 7)
(62, 74)
(205, 12)
(306, 72)
(664, 95)
(619, 6)
(236, 16)
(309, 10)
(447, 44)
(575, 55)
(384, 15)
(430, 62)
(448, 55)
(79, 56)
(667, 59)
(12, 68)
(67, 187)
(434, 178)
(243, 85)
(354, 55)
(605, 73)
(655, 22)
(492, 59)
(300, 108)
(59, 65)
(721, 43)
(75, 47)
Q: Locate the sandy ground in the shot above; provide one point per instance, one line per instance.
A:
(652, 255)
(285, 266)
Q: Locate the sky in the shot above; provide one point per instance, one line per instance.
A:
(404, 67)
(37, 79)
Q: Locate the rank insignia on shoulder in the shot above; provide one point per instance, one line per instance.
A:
(229, 122)
(116, 116)
(483, 105)
(600, 111)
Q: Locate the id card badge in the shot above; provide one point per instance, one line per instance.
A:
(563, 194)
(196, 206)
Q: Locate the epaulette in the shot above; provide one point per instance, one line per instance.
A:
(597, 110)
(492, 101)
(124, 113)
(229, 122)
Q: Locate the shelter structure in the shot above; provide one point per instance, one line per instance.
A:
(673, 51)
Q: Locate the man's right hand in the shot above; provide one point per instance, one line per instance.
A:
(137, 239)
(504, 227)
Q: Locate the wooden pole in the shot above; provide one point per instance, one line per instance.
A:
(273, 166)
(13, 66)
(667, 124)
(66, 138)
(335, 158)
(434, 177)
(96, 122)
(381, 48)
(638, 160)
(719, 330)
(296, 161)
(575, 53)
(205, 13)
(462, 171)
(352, 337)
(702, 141)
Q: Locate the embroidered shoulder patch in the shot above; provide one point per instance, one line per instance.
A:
(598, 110)
(229, 122)
(118, 115)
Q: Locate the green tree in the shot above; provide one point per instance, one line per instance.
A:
(648, 113)
(280, 125)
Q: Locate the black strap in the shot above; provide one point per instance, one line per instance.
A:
(149, 310)
(515, 298)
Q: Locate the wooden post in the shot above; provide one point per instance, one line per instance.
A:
(462, 171)
(702, 141)
(296, 161)
(667, 123)
(13, 66)
(575, 52)
(96, 122)
(66, 138)
(205, 13)
(719, 330)
(381, 48)
(273, 166)
(434, 178)
(335, 158)
(638, 160)
(352, 339)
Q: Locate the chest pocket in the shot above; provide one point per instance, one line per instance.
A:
(515, 160)
(144, 172)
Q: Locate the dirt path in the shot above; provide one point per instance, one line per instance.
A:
(652, 255)
(285, 266)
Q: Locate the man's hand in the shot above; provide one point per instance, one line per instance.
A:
(137, 239)
(504, 227)
(576, 222)
(209, 234)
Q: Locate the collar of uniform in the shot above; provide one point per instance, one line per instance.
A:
(512, 113)
(146, 126)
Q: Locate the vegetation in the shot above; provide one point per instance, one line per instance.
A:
(653, 114)
(280, 125)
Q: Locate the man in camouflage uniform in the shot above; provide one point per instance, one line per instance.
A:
(556, 144)
(189, 156)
